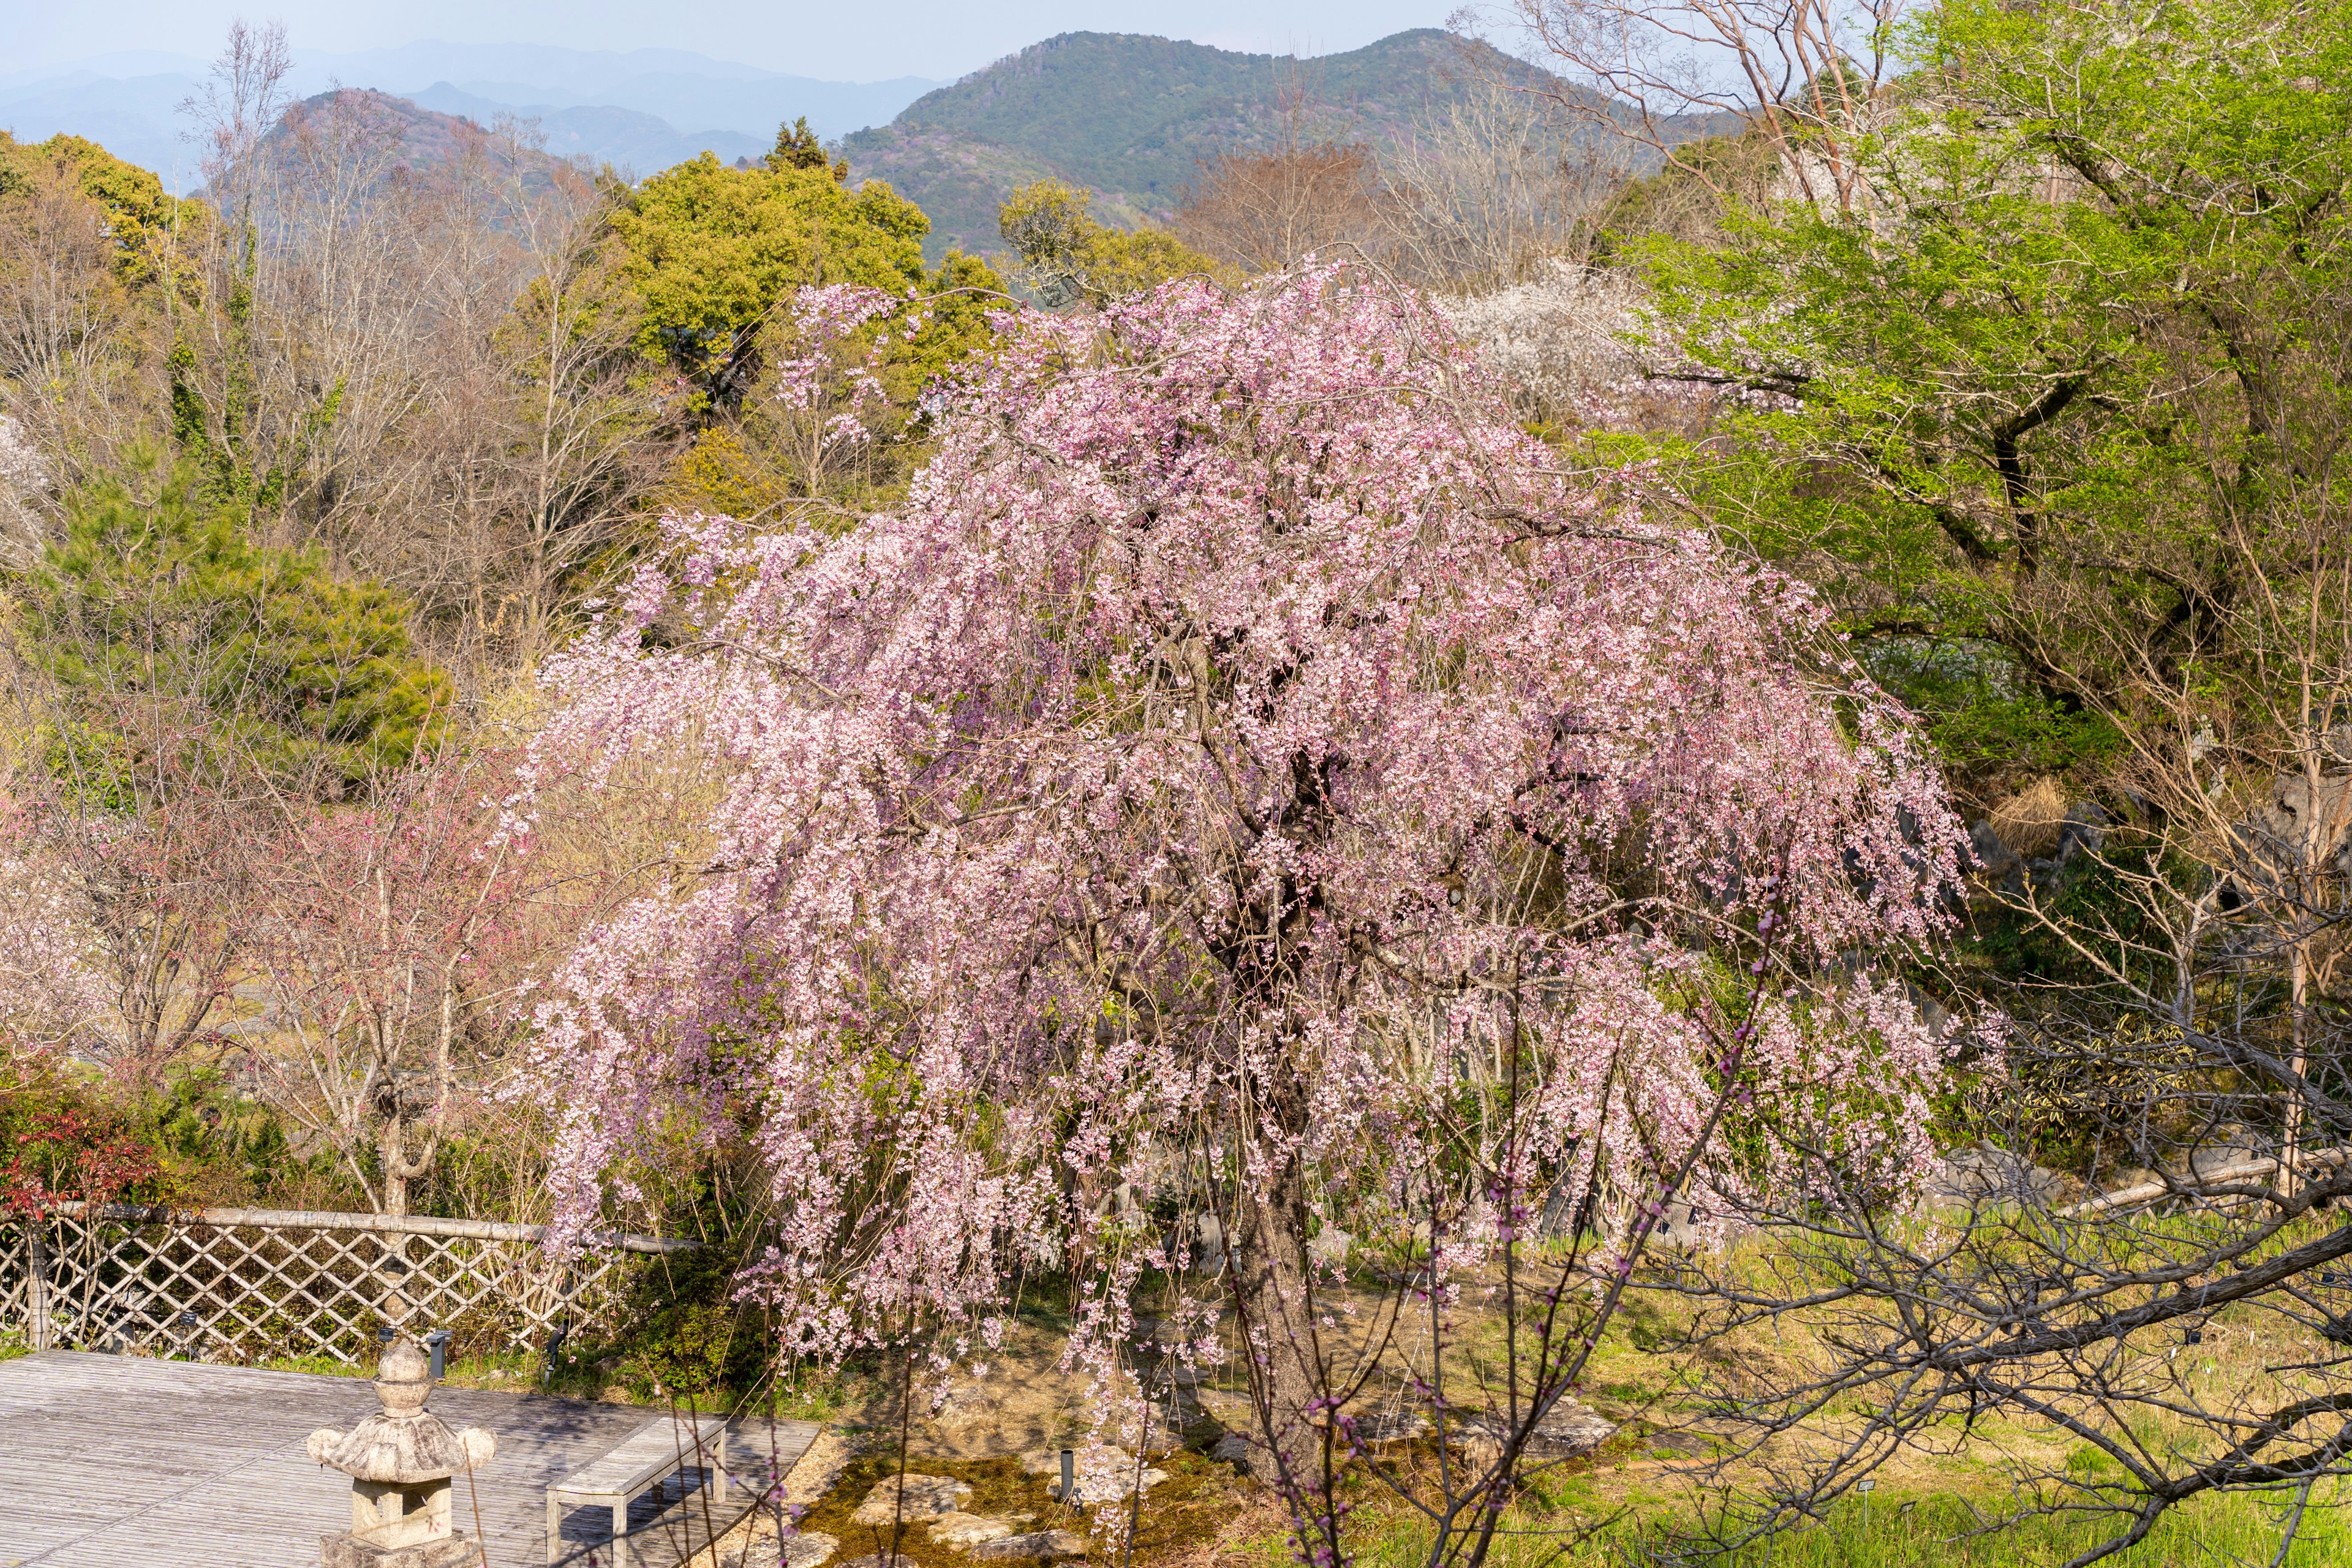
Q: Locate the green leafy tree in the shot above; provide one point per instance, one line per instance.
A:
(161, 646)
(798, 147)
(147, 225)
(710, 251)
(1070, 257)
(773, 453)
(2053, 403)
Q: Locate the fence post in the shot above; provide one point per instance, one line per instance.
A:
(36, 1283)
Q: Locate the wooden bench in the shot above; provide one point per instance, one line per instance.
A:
(650, 1456)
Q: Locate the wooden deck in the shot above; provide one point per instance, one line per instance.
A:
(122, 1462)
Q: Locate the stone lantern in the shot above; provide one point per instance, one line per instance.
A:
(400, 1463)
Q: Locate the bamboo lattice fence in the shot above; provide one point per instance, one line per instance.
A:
(244, 1285)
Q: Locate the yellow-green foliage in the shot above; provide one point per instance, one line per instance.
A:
(711, 249)
(719, 474)
(1050, 227)
(965, 289)
(142, 217)
(759, 457)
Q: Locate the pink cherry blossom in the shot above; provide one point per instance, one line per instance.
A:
(1239, 725)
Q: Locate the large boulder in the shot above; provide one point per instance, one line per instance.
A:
(808, 1549)
(2298, 821)
(1329, 1246)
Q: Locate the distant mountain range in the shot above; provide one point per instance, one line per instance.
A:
(1133, 118)
(641, 111)
(1130, 118)
(602, 134)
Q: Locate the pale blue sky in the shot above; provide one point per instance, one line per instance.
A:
(858, 41)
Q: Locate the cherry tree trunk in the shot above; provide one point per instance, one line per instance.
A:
(1272, 1286)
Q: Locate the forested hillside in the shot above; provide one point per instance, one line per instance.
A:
(1133, 118)
(1482, 813)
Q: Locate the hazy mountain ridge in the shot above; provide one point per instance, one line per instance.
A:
(1129, 116)
(1133, 118)
(637, 143)
(129, 102)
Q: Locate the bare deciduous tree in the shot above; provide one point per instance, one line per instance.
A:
(421, 363)
(1490, 188)
(378, 934)
(1805, 75)
(1264, 210)
(2178, 1321)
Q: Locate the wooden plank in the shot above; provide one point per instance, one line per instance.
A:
(660, 1447)
(123, 1462)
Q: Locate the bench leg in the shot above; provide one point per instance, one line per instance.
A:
(554, 1528)
(721, 1447)
(621, 1534)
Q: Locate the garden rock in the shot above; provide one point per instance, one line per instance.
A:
(1682, 1226)
(1393, 1427)
(2231, 1146)
(753, 1544)
(969, 1404)
(928, 1496)
(964, 1530)
(1980, 1175)
(1210, 1234)
(2084, 830)
(2000, 865)
(1037, 1543)
(1329, 1246)
(1568, 1431)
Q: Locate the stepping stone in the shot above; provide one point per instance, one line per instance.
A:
(968, 1529)
(1037, 1543)
(928, 1496)
(810, 1549)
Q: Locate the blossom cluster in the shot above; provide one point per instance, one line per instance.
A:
(1559, 340)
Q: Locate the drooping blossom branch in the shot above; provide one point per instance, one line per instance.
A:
(1240, 724)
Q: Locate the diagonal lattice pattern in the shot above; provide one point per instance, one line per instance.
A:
(242, 1285)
